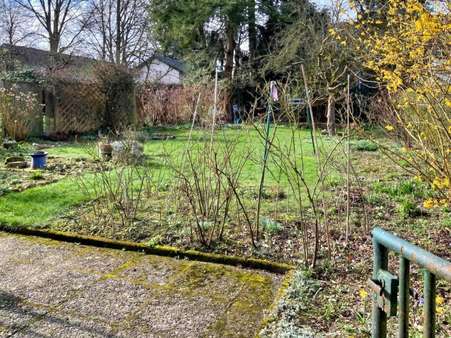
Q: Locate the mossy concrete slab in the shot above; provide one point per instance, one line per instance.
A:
(54, 289)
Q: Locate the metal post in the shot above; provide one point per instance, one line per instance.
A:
(404, 267)
(435, 267)
(310, 126)
(429, 305)
(379, 316)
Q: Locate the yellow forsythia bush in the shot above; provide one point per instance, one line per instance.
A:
(407, 49)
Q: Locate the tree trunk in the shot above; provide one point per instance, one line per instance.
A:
(331, 126)
(118, 33)
(54, 42)
(230, 46)
(252, 31)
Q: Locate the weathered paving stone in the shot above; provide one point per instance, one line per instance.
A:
(16, 315)
(65, 326)
(151, 270)
(54, 289)
(17, 165)
(188, 316)
(109, 300)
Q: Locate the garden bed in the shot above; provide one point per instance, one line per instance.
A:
(64, 160)
(17, 180)
(380, 195)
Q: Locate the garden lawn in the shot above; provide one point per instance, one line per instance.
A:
(37, 206)
(72, 150)
(248, 139)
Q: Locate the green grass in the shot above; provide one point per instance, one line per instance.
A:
(36, 206)
(248, 139)
(365, 145)
(401, 189)
(79, 150)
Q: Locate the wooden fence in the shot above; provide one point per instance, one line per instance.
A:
(74, 108)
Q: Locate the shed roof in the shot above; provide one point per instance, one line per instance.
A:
(171, 62)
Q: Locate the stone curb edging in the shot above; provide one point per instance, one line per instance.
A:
(274, 316)
(281, 292)
(158, 250)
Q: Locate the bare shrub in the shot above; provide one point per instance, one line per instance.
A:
(289, 156)
(208, 178)
(17, 111)
(119, 191)
(117, 84)
(170, 105)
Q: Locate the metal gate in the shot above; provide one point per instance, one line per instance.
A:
(385, 286)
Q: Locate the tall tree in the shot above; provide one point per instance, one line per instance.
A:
(60, 20)
(298, 30)
(118, 30)
(252, 32)
(204, 27)
(304, 36)
(14, 23)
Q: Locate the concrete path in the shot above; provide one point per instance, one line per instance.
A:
(54, 289)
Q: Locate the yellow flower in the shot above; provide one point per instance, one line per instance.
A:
(444, 202)
(445, 182)
(389, 127)
(440, 183)
(436, 183)
(418, 178)
(429, 203)
(439, 310)
(363, 294)
(439, 300)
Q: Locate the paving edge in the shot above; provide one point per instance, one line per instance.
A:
(158, 250)
(272, 314)
(281, 292)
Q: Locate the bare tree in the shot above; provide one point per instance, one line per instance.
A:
(60, 20)
(334, 61)
(14, 23)
(118, 30)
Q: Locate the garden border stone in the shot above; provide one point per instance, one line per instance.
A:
(168, 251)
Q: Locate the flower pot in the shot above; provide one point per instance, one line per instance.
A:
(39, 160)
(105, 150)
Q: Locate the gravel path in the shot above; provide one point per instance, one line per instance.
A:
(54, 289)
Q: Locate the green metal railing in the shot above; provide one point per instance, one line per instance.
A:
(385, 286)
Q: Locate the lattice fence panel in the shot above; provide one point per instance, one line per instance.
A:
(80, 108)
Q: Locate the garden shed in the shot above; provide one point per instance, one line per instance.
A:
(67, 98)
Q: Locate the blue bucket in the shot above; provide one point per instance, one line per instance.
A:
(38, 160)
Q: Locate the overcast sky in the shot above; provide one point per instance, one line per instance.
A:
(322, 3)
